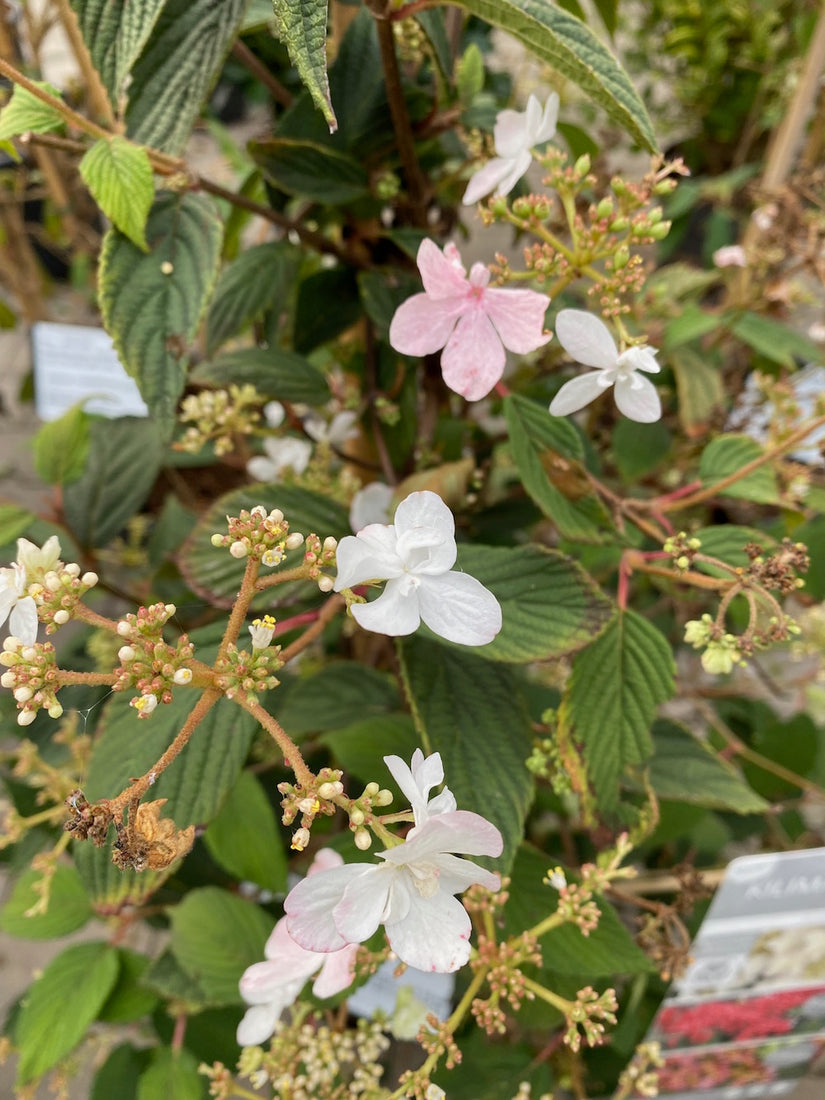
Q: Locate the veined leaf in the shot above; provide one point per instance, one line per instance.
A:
(244, 838)
(173, 1075)
(260, 277)
(773, 339)
(13, 522)
(569, 45)
(25, 112)
(119, 176)
(61, 447)
(118, 1076)
(343, 692)
(726, 455)
(307, 168)
(612, 696)
(302, 27)
(470, 711)
(177, 67)
(152, 302)
(272, 371)
(700, 388)
(115, 33)
(68, 908)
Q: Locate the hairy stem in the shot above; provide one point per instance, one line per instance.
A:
(290, 751)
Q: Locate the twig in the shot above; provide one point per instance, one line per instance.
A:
(98, 97)
(249, 61)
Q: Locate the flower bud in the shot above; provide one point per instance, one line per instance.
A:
(26, 717)
(330, 790)
(383, 798)
(294, 540)
(605, 208)
(300, 839)
(362, 839)
(125, 653)
(73, 569)
(356, 817)
(8, 679)
(620, 258)
(326, 584)
(183, 676)
(11, 644)
(23, 694)
(28, 653)
(659, 232)
(124, 629)
(371, 790)
(52, 581)
(89, 579)
(238, 549)
(330, 543)
(61, 617)
(276, 516)
(55, 710)
(582, 165)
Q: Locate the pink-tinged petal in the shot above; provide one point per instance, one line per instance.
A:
(422, 325)
(510, 133)
(325, 858)
(365, 905)
(288, 957)
(455, 875)
(442, 273)
(473, 360)
(587, 339)
(426, 533)
(337, 972)
(258, 1024)
(394, 613)
(549, 119)
(462, 831)
(518, 166)
(23, 621)
(368, 556)
(443, 803)
(309, 906)
(518, 316)
(459, 608)
(637, 398)
(487, 179)
(266, 982)
(434, 936)
(578, 392)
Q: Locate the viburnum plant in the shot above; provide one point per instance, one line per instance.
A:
(398, 515)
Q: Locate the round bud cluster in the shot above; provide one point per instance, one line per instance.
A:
(147, 662)
(319, 555)
(297, 800)
(722, 651)
(577, 906)
(33, 677)
(219, 415)
(682, 549)
(259, 534)
(361, 813)
(58, 592)
(590, 1011)
(505, 979)
(238, 670)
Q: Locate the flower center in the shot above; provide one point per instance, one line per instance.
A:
(425, 878)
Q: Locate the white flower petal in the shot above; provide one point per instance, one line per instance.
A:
(259, 1023)
(424, 509)
(371, 505)
(586, 339)
(23, 621)
(461, 831)
(418, 780)
(262, 468)
(274, 413)
(394, 613)
(267, 982)
(365, 905)
(459, 608)
(643, 358)
(426, 534)
(518, 166)
(577, 393)
(309, 905)
(487, 179)
(510, 133)
(435, 934)
(549, 120)
(456, 875)
(368, 556)
(637, 398)
(337, 972)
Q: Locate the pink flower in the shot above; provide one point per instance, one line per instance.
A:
(474, 323)
(730, 255)
(270, 987)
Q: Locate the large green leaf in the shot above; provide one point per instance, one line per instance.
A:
(339, 694)
(198, 781)
(272, 371)
(124, 459)
(302, 27)
(118, 1076)
(550, 606)
(471, 712)
(615, 688)
(700, 388)
(129, 1000)
(726, 455)
(68, 908)
(261, 276)
(177, 67)
(152, 302)
(25, 112)
(728, 544)
(115, 33)
(312, 170)
(61, 1005)
(61, 447)
(173, 1075)
(686, 770)
(244, 838)
(569, 45)
(13, 522)
(360, 748)
(119, 176)
(216, 575)
(548, 453)
(774, 340)
(215, 937)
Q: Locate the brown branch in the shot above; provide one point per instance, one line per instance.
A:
(98, 97)
(255, 66)
(327, 613)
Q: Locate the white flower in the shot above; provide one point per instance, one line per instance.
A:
(730, 255)
(588, 340)
(262, 631)
(274, 413)
(16, 606)
(38, 560)
(271, 986)
(416, 556)
(281, 454)
(335, 433)
(412, 892)
(370, 505)
(417, 780)
(515, 135)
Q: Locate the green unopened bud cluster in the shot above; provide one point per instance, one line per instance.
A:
(33, 677)
(219, 415)
(722, 650)
(58, 592)
(683, 549)
(258, 534)
(149, 663)
(238, 671)
(297, 800)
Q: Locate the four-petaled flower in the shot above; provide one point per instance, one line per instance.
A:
(284, 453)
(16, 604)
(473, 322)
(588, 341)
(412, 892)
(416, 555)
(515, 134)
(270, 987)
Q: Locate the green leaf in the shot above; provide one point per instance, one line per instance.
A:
(548, 453)
(125, 456)
(700, 388)
(612, 696)
(812, 533)
(198, 781)
(312, 170)
(382, 292)
(128, 1001)
(469, 74)
(244, 838)
(152, 302)
(638, 449)
(260, 277)
(216, 575)
(120, 178)
(25, 112)
(176, 69)
(686, 770)
(569, 46)
(173, 1075)
(341, 693)
(328, 303)
(166, 977)
(774, 340)
(272, 371)
(13, 522)
(302, 27)
(360, 748)
(727, 454)
(550, 606)
(215, 937)
(68, 909)
(690, 324)
(61, 1005)
(471, 712)
(115, 33)
(61, 447)
(118, 1076)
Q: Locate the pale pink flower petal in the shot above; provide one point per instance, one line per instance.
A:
(370, 555)
(394, 613)
(277, 980)
(442, 273)
(310, 904)
(637, 398)
(337, 972)
(488, 179)
(578, 392)
(459, 608)
(422, 325)
(586, 339)
(461, 831)
(435, 934)
(325, 858)
(365, 905)
(518, 316)
(473, 360)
